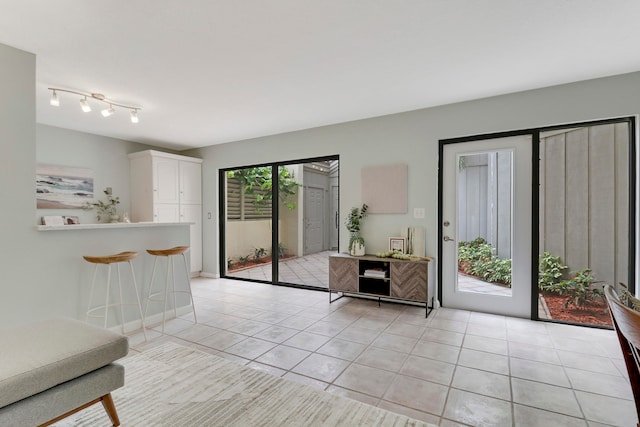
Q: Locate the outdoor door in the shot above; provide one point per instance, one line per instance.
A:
(486, 225)
(314, 220)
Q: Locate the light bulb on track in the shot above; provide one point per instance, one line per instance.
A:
(108, 111)
(85, 105)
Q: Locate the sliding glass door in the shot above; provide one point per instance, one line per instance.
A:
(280, 221)
(586, 211)
(248, 224)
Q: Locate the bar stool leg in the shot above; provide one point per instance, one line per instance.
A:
(93, 284)
(166, 296)
(121, 299)
(153, 275)
(173, 287)
(186, 269)
(135, 288)
(106, 302)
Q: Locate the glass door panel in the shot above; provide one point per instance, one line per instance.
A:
(307, 222)
(485, 206)
(584, 236)
(248, 223)
(294, 249)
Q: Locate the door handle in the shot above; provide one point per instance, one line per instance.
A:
(336, 219)
(447, 239)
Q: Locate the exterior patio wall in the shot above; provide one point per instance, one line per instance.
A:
(244, 236)
(584, 200)
(484, 200)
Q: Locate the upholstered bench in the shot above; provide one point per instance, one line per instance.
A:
(54, 368)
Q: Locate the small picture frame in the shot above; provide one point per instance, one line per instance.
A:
(52, 220)
(397, 244)
(70, 220)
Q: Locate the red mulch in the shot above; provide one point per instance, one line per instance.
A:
(594, 312)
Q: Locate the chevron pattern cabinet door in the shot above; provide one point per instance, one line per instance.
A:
(409, 280)
(343, 274)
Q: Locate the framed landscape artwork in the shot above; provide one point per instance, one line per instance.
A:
(63, 187)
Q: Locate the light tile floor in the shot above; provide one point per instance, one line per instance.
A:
(454, 368)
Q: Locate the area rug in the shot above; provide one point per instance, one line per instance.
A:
(174, 385)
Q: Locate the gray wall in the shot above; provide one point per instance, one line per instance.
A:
(107, 157)
(412, 138)
(43, 273)
(19, 253)
(39, 276)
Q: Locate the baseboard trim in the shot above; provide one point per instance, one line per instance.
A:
(209, 275)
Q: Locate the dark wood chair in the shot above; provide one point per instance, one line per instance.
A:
(627, 325)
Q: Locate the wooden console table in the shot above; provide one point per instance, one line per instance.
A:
(379, 277)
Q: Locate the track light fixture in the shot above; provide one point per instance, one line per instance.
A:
(85, 105)
(55, 101)
(108, 111)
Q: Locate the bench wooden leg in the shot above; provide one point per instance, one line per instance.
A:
(110, 407)
(107, 402)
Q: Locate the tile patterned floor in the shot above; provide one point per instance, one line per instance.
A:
(456, 368)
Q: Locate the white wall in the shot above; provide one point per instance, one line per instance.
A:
(18, 248)
(43, 273)
(412, 138)
(107, 157)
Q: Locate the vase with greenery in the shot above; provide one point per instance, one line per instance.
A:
(106, 209)
(353, 224)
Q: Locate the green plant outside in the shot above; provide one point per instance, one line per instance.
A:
(259, 183)
(259, 253)
(477, 258)
(578, 289)
(550, 271)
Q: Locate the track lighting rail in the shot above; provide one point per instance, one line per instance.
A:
(98, 97)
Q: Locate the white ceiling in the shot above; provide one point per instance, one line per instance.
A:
(212, 71)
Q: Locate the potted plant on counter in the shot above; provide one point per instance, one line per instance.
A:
(353, 224)
(108, 209)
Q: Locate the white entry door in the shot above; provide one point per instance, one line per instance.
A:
(487, 200)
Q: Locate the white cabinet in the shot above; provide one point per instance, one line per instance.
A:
(190, 183)
(166, 176)
(168, 188)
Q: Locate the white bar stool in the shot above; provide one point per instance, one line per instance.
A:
(108, 260)
(163, 293)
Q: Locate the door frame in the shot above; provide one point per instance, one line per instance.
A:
(222, 219)
(534, 199)
(535, 196)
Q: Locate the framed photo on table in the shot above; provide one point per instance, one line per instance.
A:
(397, 244)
